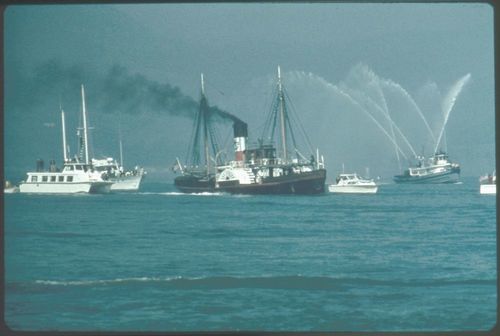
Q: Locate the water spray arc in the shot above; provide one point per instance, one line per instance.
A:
(391, 84)
(449, 102)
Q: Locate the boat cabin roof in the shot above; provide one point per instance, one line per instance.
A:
(348, 176)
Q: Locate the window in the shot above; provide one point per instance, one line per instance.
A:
(34, 178)
(69, 178)
(61, 178)
(45, 178)
(78, 167)
(53, 178)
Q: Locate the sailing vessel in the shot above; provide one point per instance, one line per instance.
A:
(436, 169)
(74, 177)
(488, 184)
(353, 183)
(264, 169)
(197, 175)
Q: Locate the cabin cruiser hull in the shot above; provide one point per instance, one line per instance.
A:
(11, 190)
(306, 183)
(488, 189)
(126, 183)
(358, 189)
(194, 184)
(449, 176)
(101, 187)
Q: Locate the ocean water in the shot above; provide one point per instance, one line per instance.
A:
(410, 258)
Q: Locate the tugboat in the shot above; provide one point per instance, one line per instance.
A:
(265, 170)
(75, 176)
(198, 177)
(437, 169)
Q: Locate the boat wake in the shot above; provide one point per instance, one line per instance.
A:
(266, 282)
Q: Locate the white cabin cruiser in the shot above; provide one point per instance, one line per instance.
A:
(353, 183)
(74, 177)
(129, 180)
(9, 188)
(488, 184)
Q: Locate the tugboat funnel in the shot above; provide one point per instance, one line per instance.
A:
(240, 136)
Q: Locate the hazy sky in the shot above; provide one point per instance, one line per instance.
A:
(406, 57)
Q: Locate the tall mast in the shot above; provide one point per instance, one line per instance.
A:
(120, 136)
(85, 127)
(282, 114)
(63, 135)
(203, 104)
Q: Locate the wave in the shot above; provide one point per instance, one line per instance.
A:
(271, 282)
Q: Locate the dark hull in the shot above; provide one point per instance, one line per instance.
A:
(450, 176)
(302, 184)
(194, 184)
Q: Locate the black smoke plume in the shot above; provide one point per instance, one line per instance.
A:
(114, 91)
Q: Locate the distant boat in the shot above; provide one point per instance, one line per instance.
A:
(488, 184)
(74, 177)
(353, 183)
(265, 170)
(436, 169)
(197, 174)
(9, 188)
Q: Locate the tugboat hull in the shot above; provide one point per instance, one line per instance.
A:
(194, 184)
(308, 183)
(450, 176)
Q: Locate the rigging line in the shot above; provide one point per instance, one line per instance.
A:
(213, 137)
(288, 123)
(296, 119)
(195, 153)
(269, 118)
(275, 121)
(268, 103)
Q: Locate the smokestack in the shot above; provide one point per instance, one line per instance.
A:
(240, 138)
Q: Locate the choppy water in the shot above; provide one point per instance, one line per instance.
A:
(411, 257)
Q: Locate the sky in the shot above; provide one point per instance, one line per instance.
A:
(349, 69)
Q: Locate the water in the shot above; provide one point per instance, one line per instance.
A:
(411, 257)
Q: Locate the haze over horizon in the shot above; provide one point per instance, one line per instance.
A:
(141, 66)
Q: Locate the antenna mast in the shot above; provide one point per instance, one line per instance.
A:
(85, 127)
(203, 112)
(63, 134)
(282, 114)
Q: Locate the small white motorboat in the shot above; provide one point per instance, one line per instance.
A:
(488, 184)
(9, 188)
(353, 183)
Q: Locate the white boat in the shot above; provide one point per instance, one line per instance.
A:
(488, 184)
(122, 180)
(9, 188)
(74, 177)
(353, 183)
